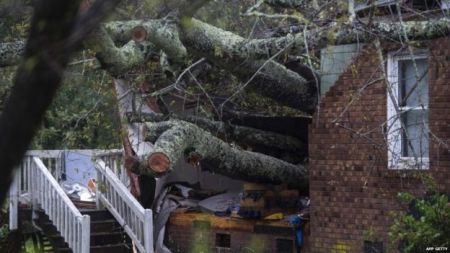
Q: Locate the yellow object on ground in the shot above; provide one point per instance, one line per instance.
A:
(275, 216)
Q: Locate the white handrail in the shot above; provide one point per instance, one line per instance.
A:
(52, 159)
(45, 193)
(136, 221)
(114, 161)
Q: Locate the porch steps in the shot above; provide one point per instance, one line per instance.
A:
(107, 236)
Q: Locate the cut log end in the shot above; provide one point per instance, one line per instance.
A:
(138, 34)
(158, 162)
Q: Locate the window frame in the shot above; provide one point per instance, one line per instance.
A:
(396, 160)
(444, 4)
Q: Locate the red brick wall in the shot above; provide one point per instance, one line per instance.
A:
(188, 238)
(352, 191)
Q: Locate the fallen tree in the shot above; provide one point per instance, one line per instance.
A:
(250, 60)
(242, 135)
(259, 64)
(174, 140)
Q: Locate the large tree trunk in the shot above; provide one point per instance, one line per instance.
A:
(240, 56)
(186, 140)
(167, 38)
(226, 50)
(266, 77)
(242, 135)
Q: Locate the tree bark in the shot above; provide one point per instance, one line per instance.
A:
(242, 135)
(11, 53)
(298, 4)
(186, 140)
(346, 34)
(162, 33)
(245, 58)
(266, 77)
(117, 61)
(166, 37)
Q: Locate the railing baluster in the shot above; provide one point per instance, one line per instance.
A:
(125, 208)
(78, 239)
(14, 194)
(38, 180)
(44, 192)
(66, 222)
(148, 230)
(57, 220)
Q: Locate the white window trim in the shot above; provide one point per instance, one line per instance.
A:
(394, 138)
(445, 4)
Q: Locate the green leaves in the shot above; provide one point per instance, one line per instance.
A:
(83, 115)
(427, 224)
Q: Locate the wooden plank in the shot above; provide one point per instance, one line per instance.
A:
(187, 220)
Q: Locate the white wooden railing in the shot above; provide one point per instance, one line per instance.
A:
(114, 195)
(52, 159)
(114, 161)
(34, 179)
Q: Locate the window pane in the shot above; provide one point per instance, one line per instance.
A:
(413, 86)
(416, 124)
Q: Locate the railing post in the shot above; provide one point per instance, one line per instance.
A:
(34, 187)
(98, 191)
(85, 233)
(148, 231)
(59, 161)
(14, 193)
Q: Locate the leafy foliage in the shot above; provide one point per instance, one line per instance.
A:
(6, 75)
(427, 224)
(83, 115)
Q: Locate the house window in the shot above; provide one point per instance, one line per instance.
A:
(445, 4)
(373, 247)
(284, 246)
(407, 111)
(223, 240)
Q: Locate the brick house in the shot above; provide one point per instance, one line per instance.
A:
(359, 159)
(359, 156)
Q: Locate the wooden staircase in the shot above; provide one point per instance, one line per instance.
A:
(107, 236)
(69, 227)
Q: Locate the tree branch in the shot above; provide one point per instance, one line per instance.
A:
(165, 37)
(163, 34)
(183, 139)
(118, 60)
(245, 136)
